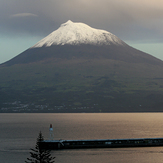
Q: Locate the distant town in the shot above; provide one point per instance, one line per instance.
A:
(19, 107)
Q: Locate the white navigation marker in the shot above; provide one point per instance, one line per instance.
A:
(51, 135)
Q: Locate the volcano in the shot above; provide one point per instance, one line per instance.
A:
(78, 68)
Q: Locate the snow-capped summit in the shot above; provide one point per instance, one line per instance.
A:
(78, 33)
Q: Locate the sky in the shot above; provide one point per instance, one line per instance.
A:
(25, 22)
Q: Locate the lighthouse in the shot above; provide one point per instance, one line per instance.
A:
(51, 136)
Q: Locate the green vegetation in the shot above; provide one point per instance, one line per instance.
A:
(39, 155)
(91, 85)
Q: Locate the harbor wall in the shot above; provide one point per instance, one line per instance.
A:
(106, 143)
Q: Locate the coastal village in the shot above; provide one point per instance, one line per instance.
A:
(19, 107)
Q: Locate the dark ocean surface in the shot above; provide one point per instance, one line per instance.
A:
(18, 133)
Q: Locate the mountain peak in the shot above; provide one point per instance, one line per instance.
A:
(67, 23)
(78, 33)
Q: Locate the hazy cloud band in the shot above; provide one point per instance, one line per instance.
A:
(128, 19)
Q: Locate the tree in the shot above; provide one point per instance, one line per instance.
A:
(38, 155)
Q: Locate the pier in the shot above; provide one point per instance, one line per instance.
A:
(100, 143)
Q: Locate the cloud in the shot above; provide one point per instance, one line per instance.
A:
(20, 15)
(128, 19)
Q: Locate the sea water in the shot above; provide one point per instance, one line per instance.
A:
(18, 133)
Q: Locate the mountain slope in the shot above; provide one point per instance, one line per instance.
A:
(82, 69)
(80, 40)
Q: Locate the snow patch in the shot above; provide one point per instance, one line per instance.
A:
(78, 33)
